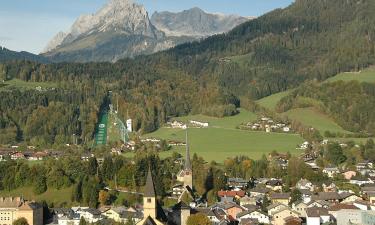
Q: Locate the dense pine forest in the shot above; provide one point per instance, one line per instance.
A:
(309, 41)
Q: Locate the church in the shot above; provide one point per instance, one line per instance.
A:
(153, 213)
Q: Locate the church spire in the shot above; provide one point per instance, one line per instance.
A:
(187, 159)
(149, 188)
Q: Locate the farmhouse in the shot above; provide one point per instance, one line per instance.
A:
(178, 125)
(199, 123)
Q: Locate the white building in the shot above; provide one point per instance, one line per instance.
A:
(129, 125)
(317, 216)
(331, 171)
(198, 123)
(260, 216)
(349, 216)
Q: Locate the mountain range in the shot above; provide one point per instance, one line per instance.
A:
(123, 28)
(291, 48)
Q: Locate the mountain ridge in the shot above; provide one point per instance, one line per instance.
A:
(93, 36)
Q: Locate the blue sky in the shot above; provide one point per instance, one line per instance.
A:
(29, 24)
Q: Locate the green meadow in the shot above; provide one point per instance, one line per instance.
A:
(56, 197)
(367, 75)
(314, 118)
(20, 84)
(271, 101)
(222, 140)
(226, 122)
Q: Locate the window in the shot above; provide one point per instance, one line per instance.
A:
(149, 200)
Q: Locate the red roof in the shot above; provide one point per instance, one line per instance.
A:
(231, 193)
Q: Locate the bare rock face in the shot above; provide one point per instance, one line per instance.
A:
(195, 22)
(122, 28)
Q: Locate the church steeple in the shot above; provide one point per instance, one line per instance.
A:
(149, 188)
(149, 197)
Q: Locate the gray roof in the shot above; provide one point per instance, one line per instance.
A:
(149, 188)
(327, 196)
(316, 212)
(149, 221)
(243, 213)
(280, 196)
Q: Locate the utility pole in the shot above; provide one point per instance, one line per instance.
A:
(117, 103)
(116, 181)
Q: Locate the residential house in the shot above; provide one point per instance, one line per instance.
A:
(216, 215)
(318, 203)
(300, 207)
(364, 165)
(348, 197)
(259, 192)
(246, 200)
(177, 190)
(317, 216)
(349, 174)
(66, 216)
(332, 197)
(282, 198)
(361, 181)
(274, 185)
(37, 156)
(331, 171)
(237, 183)
(371, 198)
(304, 184)
(329, 187)
(91, 215)
(231, 194)
(368, 189)
(231, 209)
(122, 214)
(280, 217)
(349, 216)
(334, 209)
(254, 214)
(17, 156)
(362, 205)
(275, 208)
(306, 195)
(178, 125)
(199, 123)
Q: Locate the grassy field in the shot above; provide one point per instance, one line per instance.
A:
(271, 101)
(356, 140)
(314, 118)
(227, 122)
(367, 75)
(218, 143)
(221, 140)
(16, 83)
(57, 197)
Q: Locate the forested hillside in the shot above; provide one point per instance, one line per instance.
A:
(351, 104)
(309, 40)
(7, 55)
